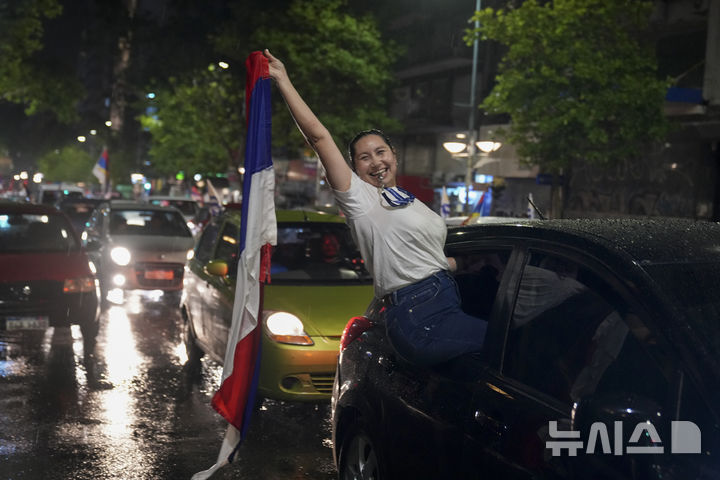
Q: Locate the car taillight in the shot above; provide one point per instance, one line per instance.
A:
(75, 285)
(354, 328)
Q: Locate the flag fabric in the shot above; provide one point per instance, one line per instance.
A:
(213, 199)
(235, 398)
(530, 207)
(444, 204)
(482, 207)
(100, 170)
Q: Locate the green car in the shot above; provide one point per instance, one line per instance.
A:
(318, 282)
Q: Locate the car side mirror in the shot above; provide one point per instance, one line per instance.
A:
(217, 267)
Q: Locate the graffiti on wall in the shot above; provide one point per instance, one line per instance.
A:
(656, 186)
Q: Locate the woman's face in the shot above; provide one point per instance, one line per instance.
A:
(375, 162)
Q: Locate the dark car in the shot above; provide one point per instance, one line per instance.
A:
(78, 210)
(138, 246)
(46, 279)
(602, 361)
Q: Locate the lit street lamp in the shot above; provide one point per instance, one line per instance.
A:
(455, 148)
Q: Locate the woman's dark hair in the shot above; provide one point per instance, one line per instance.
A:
(364, 133)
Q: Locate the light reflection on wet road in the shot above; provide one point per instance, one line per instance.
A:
(134, 411)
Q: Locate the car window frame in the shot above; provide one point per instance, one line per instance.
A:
(214, 222)
(492, 349)
(662, 355)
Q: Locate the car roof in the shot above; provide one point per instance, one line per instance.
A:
(289, 216)
(647, 240)
(87, 200)
(30, 208)
(130, 205)
(170, 197)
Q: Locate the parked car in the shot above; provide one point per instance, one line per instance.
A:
(189, 208)
(317, 281)
(137, 246)
(45, 276)
(52, 193)
(79, 210)
(602, 361)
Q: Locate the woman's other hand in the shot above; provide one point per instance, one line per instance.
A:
(276, 68)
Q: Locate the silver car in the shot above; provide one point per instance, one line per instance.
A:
(137, 246)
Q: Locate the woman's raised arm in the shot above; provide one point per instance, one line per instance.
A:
(319, 138)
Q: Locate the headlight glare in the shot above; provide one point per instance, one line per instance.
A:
(284, 327)
(120, 255)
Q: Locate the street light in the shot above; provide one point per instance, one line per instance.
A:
(488, 146)
(457, 147)
(454, 147)
(471, 121)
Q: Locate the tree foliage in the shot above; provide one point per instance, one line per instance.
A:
(27, 76)
(338, 62)
(578, 80)
(69, 164)
(197, 123)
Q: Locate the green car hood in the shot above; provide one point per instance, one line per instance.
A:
(324, 310)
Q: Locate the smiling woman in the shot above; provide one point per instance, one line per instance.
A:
(401, 240)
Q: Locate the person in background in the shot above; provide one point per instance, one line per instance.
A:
(401, 240)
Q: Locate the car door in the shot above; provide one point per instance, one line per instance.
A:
(94, 238)
(197, 281)
(427, 410)
(220, 295)
(573, 336)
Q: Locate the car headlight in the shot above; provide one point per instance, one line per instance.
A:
(120, 255)
(76, 285)
(284, 327)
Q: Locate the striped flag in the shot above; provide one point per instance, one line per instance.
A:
(236, 397)
(444, 204)
(100, 170)
(214, 200)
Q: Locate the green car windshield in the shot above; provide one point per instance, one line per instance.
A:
(316, 252)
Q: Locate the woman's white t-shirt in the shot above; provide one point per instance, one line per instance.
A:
(400, 245)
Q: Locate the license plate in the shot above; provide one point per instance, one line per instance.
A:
(26, 323)
(159, 274)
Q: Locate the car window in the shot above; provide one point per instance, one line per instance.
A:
(695, 289)
(148, 222)
(571, 336)
(78, 212)
(22, 232)
(204, 249)
(187, 207)
(478, 277)
(227, 247)
(316, 252)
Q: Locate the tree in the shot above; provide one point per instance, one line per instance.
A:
(197, 123)
(578, 80)
(27, 76)
(69, 164)
(339, 62)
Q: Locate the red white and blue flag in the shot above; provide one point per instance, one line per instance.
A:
(100, 170)
(236, 397)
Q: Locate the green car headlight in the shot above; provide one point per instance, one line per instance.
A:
(284, 327)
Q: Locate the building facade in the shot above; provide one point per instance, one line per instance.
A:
(679, 178)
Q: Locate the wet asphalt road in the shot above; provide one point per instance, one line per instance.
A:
(134, 411)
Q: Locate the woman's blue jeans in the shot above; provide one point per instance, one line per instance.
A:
(426, 325)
